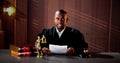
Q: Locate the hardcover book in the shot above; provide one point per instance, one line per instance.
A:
(22, 50)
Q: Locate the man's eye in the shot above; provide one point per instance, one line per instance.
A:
(57, 18)
(62, 19)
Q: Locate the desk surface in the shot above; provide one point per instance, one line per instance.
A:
(104, 57)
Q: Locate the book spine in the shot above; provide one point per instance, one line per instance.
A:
(26, 49)
(27, 54)
(23, 54)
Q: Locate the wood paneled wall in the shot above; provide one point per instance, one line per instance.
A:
(36, 19)
(7, 24)
(20, 23)
(91, 17)
(98, 20)
(14, 26)
(115, 26)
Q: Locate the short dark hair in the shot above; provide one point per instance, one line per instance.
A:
(62, 11)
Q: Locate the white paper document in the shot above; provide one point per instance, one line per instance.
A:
(58, 49)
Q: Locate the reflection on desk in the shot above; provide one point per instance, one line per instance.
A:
(103, 57)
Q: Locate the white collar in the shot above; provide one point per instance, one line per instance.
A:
(60, 33)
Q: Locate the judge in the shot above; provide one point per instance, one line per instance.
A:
(62, 35)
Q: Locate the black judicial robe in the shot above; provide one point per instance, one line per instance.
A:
(71, 37)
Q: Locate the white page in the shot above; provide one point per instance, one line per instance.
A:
(58, 49)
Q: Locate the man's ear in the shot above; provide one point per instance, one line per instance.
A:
(67, 19)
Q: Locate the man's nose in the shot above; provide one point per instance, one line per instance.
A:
(60, 21)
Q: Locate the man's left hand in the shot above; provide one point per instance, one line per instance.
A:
(70, 51)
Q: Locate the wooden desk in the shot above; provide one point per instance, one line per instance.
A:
(104, 57)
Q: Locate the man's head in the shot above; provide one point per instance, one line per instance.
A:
(61, 19)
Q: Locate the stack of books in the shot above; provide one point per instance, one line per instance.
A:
(23, 51)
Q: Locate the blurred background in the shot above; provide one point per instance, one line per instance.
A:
(98, 20)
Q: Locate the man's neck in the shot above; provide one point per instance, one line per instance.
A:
(60, 29)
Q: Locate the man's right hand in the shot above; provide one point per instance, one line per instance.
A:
(46, 51)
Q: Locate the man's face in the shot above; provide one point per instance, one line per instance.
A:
(60, 20)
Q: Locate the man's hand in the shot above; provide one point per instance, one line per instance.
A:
(70, 51)
(46, 51)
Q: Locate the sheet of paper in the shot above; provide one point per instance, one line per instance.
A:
(57, 49)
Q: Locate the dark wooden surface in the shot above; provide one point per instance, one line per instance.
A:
(103, 57)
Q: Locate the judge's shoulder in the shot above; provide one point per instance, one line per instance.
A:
(52, 29)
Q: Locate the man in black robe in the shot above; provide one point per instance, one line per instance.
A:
(61, 34)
